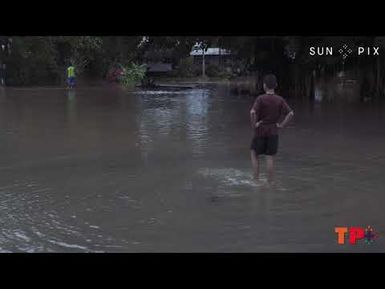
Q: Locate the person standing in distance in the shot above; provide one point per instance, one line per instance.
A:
(71, 76)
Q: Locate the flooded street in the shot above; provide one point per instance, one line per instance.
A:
(97, 169)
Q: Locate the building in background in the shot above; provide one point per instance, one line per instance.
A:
(213, 56)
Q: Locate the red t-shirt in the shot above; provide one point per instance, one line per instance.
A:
(270, 109)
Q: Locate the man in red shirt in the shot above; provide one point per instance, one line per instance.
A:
(269, 113)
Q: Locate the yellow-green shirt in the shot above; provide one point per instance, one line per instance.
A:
(71, 71)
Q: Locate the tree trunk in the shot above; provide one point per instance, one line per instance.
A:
(203, 64)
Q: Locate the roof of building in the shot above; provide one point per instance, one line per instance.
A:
(210, 51)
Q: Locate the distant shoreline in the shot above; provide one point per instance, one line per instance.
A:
(243, 85)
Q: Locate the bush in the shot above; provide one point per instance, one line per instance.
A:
(213, 70)
(185, 68)
(133, 74)
(32, 62)
(40, 60)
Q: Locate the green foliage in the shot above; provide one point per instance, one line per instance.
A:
(43, 60)
(39, 60)
(185, 68)
(213, 70)
(32, 61)
(84, 51)
(158, 55)
(133, 74)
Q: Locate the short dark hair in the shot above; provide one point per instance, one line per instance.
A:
(270, 81)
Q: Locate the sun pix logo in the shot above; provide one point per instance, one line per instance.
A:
(355, 234)
(344, 50)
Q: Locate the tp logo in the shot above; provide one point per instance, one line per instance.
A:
(355, 234)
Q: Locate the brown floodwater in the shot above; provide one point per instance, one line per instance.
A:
(98, 169)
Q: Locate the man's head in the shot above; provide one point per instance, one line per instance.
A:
(270, 82)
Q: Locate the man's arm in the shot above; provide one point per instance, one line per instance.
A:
(253, 117)
(287, 118)
(254, 113)
(288, 112)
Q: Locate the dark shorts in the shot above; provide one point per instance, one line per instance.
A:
(71, 81)
(265, 145)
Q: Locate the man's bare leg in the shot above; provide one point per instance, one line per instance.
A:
(270, 168)
(255, 163)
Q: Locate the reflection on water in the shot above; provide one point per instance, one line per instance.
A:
(71, 107)
(99, 169)
(197, 119)
(345, 87)
(318, 94)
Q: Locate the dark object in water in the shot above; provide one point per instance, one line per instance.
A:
(147, 82)
(167, 87)
(176, 86)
